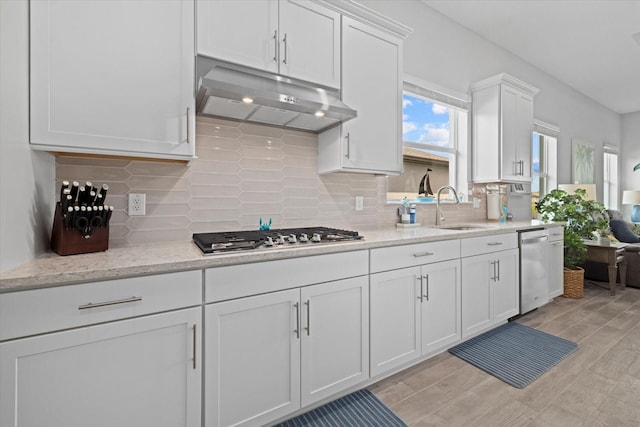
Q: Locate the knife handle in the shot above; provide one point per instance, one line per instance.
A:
(74, 191)
(63, 187)
(69, 216)
(103, 192)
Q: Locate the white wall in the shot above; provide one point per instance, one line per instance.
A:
(443, 52)
(26, 177)
(630, 155)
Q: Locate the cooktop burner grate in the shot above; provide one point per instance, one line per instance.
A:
(228, 241)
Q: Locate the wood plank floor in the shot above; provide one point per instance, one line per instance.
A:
(598, 385)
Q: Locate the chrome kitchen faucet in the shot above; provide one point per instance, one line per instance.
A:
(439, 215)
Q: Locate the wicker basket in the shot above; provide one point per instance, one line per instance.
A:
(573, 283)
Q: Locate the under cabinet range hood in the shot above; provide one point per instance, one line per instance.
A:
(241, 93)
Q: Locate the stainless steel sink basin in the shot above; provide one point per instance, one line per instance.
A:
(460, 227)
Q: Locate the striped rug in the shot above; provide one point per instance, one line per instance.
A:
(514, 353)
(359, 409)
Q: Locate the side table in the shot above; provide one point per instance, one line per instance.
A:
(611, 254)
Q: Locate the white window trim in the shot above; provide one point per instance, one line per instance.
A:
(611, 150)
(456, 102)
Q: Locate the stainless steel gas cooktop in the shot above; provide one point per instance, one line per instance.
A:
(227, 241)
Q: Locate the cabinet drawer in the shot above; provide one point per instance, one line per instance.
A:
(44, 310)
(411, 255)
(236, 281)
(487, 244)
(555, 234)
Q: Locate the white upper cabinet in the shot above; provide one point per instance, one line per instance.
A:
(502, 122)
(295, 38)
(372, 85)
(113, 78)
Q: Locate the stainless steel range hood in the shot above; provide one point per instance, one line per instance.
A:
(240, 93)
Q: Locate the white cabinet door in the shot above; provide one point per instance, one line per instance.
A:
(414, 312)
(524, 133)
(295, 38)
(476, 294)
(509, 137)
(335, 337)
(505, 289)
(139, 372)
(490, 290)
(244, 32)
(556, 265)
(441, 305)
(309, 42)
(252, 357)
(372, 85)
(502, 121)
(113, 77)
(395, 318)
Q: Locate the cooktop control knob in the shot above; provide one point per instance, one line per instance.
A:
(316, 238)
(304, 238)
(292, 238)
(268, 242)
(280, 240)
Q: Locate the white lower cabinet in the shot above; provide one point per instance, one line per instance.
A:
(490, 290)
(269, 355)
(556, 262)
(138, 372)
(414, 312)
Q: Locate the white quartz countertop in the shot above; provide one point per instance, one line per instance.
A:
(52, 269)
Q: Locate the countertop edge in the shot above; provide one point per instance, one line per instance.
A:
(52, 270)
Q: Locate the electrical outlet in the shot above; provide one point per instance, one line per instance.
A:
(137, 204)
(359, 203)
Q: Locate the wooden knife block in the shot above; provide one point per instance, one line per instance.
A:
(69, 241)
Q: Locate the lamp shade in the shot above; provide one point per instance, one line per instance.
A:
(631, 197)
(571, 188)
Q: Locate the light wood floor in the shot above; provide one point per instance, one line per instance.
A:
(598, 385)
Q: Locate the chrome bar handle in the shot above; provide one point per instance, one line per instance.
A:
(421, 254)
(426, 278)
(194, 346)
(494, 243)
(348, 139)
(187, 125)
(284, 40)
(106, 303)
(297, 331)
(308, 328)
(275, 46)
(420, 295)
(498, 262)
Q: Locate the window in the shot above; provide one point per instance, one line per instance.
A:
(544, 165)
(610, 177)
(434, 131)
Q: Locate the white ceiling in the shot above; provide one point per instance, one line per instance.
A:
(586, 44)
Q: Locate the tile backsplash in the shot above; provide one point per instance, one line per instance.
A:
(243, 172)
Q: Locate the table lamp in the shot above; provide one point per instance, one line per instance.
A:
(632, 198)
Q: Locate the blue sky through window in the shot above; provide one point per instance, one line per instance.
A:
(425, 121)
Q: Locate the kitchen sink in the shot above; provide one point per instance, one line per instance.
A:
(460, 227)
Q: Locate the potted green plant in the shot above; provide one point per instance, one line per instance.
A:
(602, 231)
(580, 222)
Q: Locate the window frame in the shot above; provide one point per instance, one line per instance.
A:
(610, 198)
(456, 103)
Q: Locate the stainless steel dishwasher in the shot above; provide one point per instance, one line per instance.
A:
(534, 269)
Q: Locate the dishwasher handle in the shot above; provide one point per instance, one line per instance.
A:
(535, 240)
